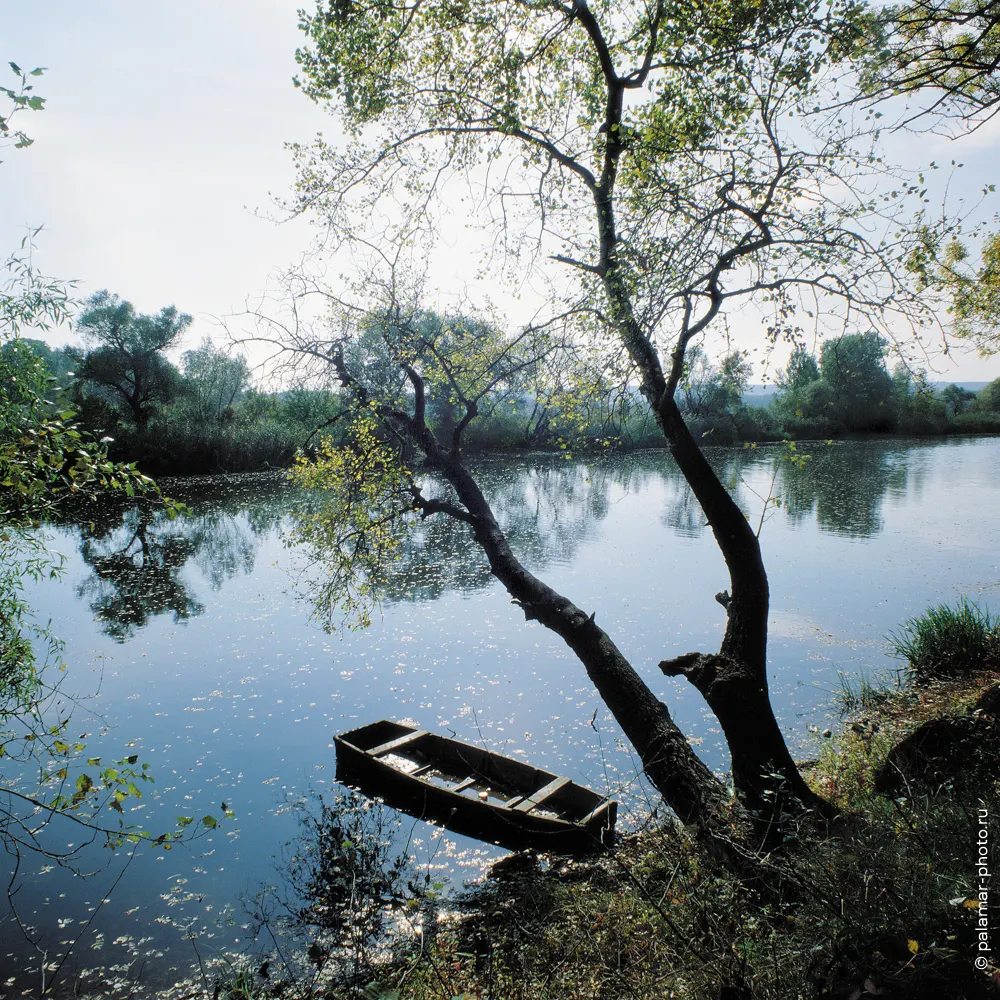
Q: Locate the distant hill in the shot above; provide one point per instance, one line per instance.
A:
(760, 395)
(971, 386)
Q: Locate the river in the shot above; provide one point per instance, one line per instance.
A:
(191, 644)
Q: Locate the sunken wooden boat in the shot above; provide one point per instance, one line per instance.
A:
(473, 791)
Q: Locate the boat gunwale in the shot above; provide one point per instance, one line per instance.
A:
(597, 808)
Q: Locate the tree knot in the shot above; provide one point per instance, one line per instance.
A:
(530, 614)
(701, 669)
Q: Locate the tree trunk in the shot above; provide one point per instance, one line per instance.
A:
(686, 783)
(734, 682)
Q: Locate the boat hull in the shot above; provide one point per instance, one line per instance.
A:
(496, 799)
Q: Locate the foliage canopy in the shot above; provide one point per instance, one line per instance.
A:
(129, 361)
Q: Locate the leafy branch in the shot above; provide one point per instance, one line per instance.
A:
(22, 99)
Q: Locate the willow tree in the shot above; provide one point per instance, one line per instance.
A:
(667, 165)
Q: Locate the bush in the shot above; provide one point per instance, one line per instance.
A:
(988, 398)
(744, 424)
(977, 423)
(185, 449)
(948, 642)
(811, 428)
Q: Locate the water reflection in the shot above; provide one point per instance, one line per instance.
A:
(844, 488)
(548, 507)
(137, 555)
(134, 572)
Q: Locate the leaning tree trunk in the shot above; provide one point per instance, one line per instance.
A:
(734, 681)
(695, 794)
(688, 786)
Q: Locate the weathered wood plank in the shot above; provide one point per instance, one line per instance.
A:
(400, 741)
(543, 793)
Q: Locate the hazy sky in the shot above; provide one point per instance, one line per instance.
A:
(163, 134)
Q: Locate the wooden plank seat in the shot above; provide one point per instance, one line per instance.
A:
(396, 744)
(543, 793)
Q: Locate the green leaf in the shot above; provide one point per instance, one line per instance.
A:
(14, 66)
(185, 820)
(210, 822)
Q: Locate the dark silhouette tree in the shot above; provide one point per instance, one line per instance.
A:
(853, 367)
(129, 360)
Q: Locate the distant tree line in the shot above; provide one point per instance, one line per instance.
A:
(205, 415)
(847, 390)
(202, 416)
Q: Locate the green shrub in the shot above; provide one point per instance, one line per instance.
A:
(988, 398)
(170, 448)
(948, 642)
(977, 423)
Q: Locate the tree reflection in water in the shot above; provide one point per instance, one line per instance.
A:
(137, 554)
(844, 488)
(547, 506)
(134, 575)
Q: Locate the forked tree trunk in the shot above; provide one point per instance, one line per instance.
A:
(695, 794)
(734, 682)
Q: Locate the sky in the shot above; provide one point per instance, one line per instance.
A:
(160, 144)
(160, 153)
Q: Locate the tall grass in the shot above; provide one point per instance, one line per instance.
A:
(948, 642)
(185, 449)
(861, 694)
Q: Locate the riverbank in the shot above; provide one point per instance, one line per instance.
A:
(213, 450)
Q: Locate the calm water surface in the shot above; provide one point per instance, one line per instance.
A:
(193, 646)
